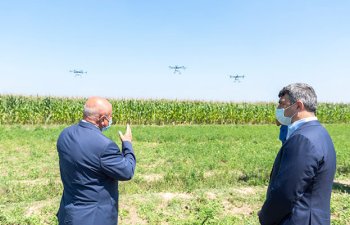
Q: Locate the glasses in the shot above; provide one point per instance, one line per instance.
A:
(107, 117)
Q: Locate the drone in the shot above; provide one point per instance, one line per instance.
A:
(237, 78)
(177, 68)
(78, 73)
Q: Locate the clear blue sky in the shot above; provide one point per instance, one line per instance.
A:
(126, 47)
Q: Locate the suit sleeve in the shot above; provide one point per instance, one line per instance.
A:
(116, 164)
(299, 164)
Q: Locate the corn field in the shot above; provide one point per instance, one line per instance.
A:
(55, 110)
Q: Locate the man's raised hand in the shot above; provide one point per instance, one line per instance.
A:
(127, 136)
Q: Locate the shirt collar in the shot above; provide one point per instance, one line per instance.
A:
(294, 126)
(84, 121)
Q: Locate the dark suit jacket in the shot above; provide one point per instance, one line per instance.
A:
(91, 166)
(301, 179)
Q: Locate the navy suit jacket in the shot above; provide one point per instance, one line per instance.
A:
(91, 166)
(301, 180)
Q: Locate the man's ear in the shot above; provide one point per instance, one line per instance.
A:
(300, 105)
(101, 118)
(99, 121)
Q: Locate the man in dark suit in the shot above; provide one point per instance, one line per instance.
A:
(301, 180)
(91, 166)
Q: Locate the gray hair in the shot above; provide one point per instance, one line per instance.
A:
(91, 112)
(302, 92)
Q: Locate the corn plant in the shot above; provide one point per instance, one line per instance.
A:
(56, 110)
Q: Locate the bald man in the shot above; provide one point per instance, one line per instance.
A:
(91, 166)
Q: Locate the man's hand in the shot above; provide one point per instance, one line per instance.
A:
(127, 136)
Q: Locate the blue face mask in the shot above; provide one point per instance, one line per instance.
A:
(108, 126)
(284, 120)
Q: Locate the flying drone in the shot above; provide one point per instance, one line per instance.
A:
(177, 69)
(237, 78)
(78, 73)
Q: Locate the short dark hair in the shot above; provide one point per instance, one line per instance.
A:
(302, 92)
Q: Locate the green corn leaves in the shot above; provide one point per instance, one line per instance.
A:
(55, 110)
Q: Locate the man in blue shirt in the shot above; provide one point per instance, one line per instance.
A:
(301, 180)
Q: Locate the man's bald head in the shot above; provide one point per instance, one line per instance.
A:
(95, 107)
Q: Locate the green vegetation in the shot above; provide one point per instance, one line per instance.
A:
(188, 174)
(50, 110)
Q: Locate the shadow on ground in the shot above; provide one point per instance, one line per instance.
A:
(337, 186)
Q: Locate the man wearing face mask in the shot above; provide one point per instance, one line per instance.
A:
(301, 179)
(91, 166)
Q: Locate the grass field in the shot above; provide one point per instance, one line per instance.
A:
(216, 174)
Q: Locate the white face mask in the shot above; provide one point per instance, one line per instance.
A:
(108, 126)
(284, 120)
